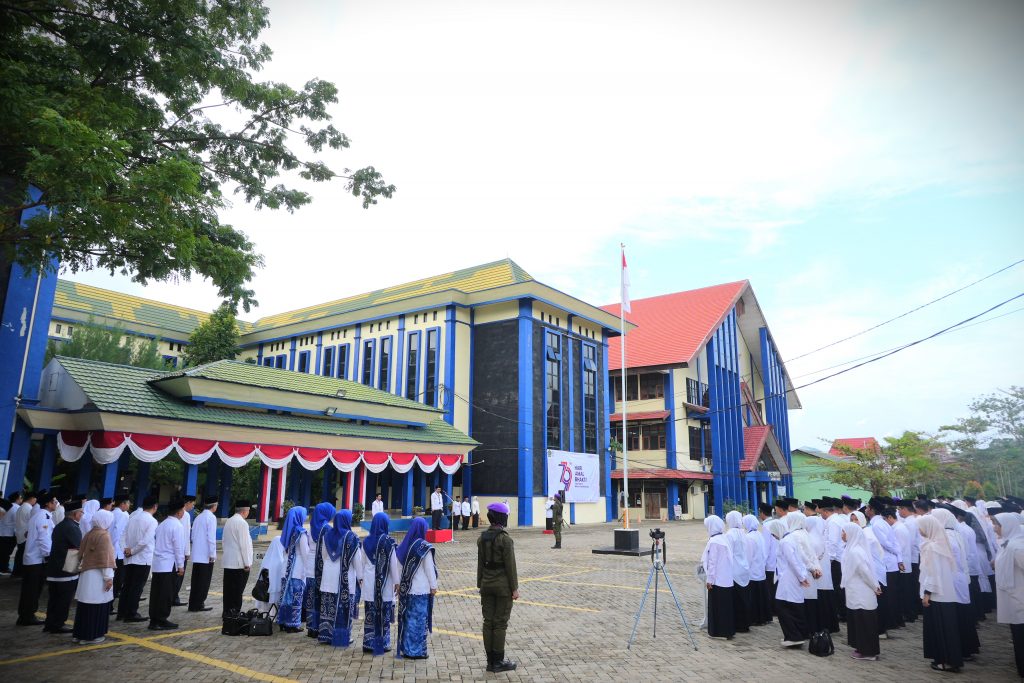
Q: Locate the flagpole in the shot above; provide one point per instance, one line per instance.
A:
(625, 431)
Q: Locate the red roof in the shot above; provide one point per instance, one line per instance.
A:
(649, 415)
(754, 439)
(858, 444)
(672, 328)
(652, 473)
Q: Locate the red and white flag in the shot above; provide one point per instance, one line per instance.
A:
(625, 284)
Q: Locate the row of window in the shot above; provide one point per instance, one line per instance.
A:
(641, 387)
(644, 436)
(70, 330)
(553, 391)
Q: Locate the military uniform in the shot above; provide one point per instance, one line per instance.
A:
(497, 580)
(556, 522)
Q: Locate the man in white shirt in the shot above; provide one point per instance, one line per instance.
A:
(139, 538)
(549, 513)
(186, 523)
(889, 615)
(377, 505)
(237, 556)
(28, 506)
(8, 542)
(834, 521)
(456, 512)
(37, 548)
(911, 603)
(117, 531)
(467, 511)
(204, 554)
(168, 562)
(436, 508)
(476, 512)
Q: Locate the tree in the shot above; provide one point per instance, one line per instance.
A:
(990, 442)
(108, 344)
(215, 339)
(135, 119)
(903, 462)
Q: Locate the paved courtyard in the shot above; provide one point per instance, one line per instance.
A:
(571, 623)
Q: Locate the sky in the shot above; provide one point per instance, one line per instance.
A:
(853, 160)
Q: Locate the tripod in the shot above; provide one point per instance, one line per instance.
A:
(658, 567)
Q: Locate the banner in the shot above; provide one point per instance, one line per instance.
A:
(578, 474)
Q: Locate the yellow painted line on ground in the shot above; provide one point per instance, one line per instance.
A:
(556, 576)
(520, 601)
(174, 634)
(202, 659)
(58, 653)
(595, 585)
(461, 634)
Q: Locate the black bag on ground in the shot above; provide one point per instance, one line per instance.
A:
(262, 623)
(821, 644)
(261, 590)
(235, 623)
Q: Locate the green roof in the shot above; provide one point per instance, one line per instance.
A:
(125, 389)
(237, 372)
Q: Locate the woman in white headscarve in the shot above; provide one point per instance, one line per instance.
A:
(89, 508)
(796, 523)
(1010, 581)
(742, 601)
(756, 545)
(861, 588)
(717, 564)
(969, 643)
(941, 634)
(987, 567)
(793, 579)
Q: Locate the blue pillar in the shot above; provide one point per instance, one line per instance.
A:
(188, 487)
(610, 499)
(84, 473)
(49, 461)
(307, 489)
(212, 486)
(525, 413)
(467, 476)
(291, 354)
(317, 369)
(110, 472)
(447, 485)
(418, 486)
(385, 488)
(141, 483)
(19, 445)
(329, 483)
(407, 493)
(449, 365)
(395, 489)
(224, 508)
(672, 490)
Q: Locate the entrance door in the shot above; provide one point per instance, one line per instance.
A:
(655, 500)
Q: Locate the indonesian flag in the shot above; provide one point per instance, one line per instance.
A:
(625, 285)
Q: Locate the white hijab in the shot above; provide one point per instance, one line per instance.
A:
(715, 527)
(949, 523)
(88, 510)
(102, 519)
(856, 553)
(1011, 540)
(795, 523)
(935, 548)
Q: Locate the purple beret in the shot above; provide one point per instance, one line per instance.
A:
(498, 507)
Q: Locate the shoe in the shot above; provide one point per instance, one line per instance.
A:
(165, 626)
(29, 622)
(97, 641)
(135, 618)
(942, 667)
(883, 636)
(58, 631)
(178, 603)
(502, 664)
(75, 640)
(294, 629)
(199, 609)
(793, 643)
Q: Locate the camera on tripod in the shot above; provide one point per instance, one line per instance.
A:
(657, 534)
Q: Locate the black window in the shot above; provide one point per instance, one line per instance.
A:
(303, 361)
(384, 372)
(368, 362)
(282, 362)
(589, 399)
(268, 361)
(430, 388)
(700, 442)
(552, 386)
(328, 369)
(343, 361)
(652, 436)
(652, 385)
(412, 366)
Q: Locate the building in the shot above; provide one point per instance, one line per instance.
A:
(810, 469)
(706, 398)
(517, 365)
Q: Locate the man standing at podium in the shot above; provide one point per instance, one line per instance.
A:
(436, 508)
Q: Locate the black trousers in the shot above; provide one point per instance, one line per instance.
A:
(161, 595)
(838, 592)
(19, 559)
(769, 579)
(135, 576)
(791, 619)
(476, 520)
(118, 579)
(435, 519)
(32, 579)
(58, 605)
(465, 522)
(234, 586)
(178, 580)
(7, 546)
(202, 572)
(1017, 634)
(909, 601)
(455, 522)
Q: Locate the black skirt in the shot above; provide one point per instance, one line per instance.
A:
(769, 582)
(721, 622)
(811, 618)
(862, 631)
(761, 612)
(91, 620)
(827, 618)
(791, 619)
(969, 643)
(741, 607)
(941, 635)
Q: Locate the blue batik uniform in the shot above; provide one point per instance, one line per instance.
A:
(320, 522)
(342, 561)
(416, 592)
(295, 541)
(382, 572)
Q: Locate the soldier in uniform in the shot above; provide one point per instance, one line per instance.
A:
(556, 521)
(498, 582)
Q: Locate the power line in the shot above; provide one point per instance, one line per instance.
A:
(903, 315)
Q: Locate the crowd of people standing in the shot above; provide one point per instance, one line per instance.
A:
(876, 567)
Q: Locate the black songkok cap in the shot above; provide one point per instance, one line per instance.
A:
(120, 498)
(813, 504)
(149, 501)
(72, 505)
(827, 503)
(106, 501)
(81, 496)
(764, 508)
(45, 497)
(877, 504)
(242, 504)
(6, 504)
(188, 499)
(907, 503)
(782, 503)
(174, 505)
(793, 502)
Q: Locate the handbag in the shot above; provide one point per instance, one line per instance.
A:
(262, 623)
(236, 623)
(821, 644)
(71, 562)
(261, 590)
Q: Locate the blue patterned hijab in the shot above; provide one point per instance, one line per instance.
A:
(417, 531)
(334, 537)
(322, 514)
(378, 527)
(293, 522)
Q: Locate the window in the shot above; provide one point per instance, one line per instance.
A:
(303, 361)
(384, 372)
(589, 399)
(700, 442)
(631, 387)
(368, 362)
(328, 369)
(412, 366)
(652, 385)
(652, 436)
(282, 361)
(71, 331)
(552, 387)
(343, 361)
(268, 362)
(170, 361)
(430, 386)
(58, 328)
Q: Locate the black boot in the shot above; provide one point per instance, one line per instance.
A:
(502, 664)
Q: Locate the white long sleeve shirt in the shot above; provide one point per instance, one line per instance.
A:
(39, 537)
(118, 528)
(886, 539)
(834, 536)
(237, 544)
(7, 522)
(393, 579)
(436, 501)
(902, 533)
(22, 519)
(377, 506)
(467, 510)
(169, 546)
(425, 578)
(330, 578)
(186, 524)
(791, 571)
(204, 538)
(717, 562)
(476, 507)
(139, 538)
(915, 536)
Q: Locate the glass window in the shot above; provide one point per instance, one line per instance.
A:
(384, 372)
(282, 361)
(652, 385)
(368, 362)
(430, 388)
(589, 399)
(652, 436)
(58, 328)
(268, 361)
(412, 366)
(303, 361)
(343, 361)
(328, 369)
(553, 385)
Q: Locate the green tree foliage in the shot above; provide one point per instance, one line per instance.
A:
(136, 119)
(108, 344)
(900, 464)
(215, 339)
(989, 443)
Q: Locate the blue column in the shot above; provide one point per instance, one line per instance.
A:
(407, 491)
(670, 428)
(110, 472)
(84, 473)
(385, 488)
(212, 486)
(327, 487)
(672, 491)
(447, 485)
(224, 507)
(572, 378)
(525, 413)
(399, 360)
(291, 353)
(467, 476)
(259, 354)
(418, 485)
(141, 483)
(316, 369)
(49, 461)
(449, 364)
(191, 480)
(610, 500)
(307, 488)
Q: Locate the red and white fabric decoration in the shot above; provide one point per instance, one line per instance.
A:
(107, 447)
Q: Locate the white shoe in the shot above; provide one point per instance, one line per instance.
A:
(97, 641)
(792, 643)
(883, 636)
